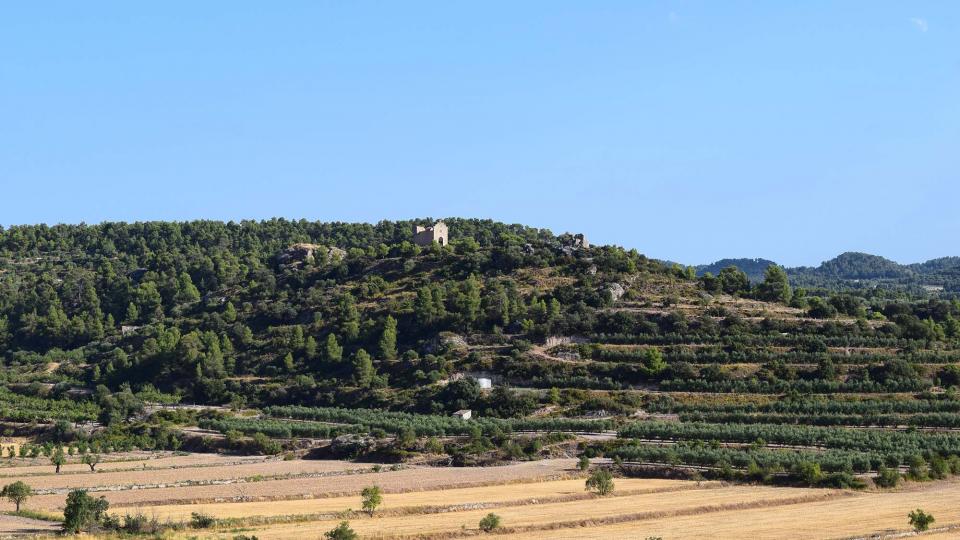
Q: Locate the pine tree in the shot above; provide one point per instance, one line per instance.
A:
(310, 348)
(187, 292)
(333, 352)
(133, 314)
(363, 371)
(230, 313)
(775, 286)
(388, 341)
(423, 309)
(349, 317)
(297, 341)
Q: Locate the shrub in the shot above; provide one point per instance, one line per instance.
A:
(920, 520)
(82, 511)
(584, 463)
(489, 522)
(939, 468)
(887, 477)
(809, 473)
(918, 469)
(342, 532)
(600, 481)
(140, 524)
(264, 445)
(202, 521)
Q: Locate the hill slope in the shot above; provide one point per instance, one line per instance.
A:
(349, 333)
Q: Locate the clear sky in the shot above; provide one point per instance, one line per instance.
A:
(688, 130)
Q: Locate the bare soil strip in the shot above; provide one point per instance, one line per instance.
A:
(21, 526)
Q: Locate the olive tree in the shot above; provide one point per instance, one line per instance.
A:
(372, 498)
(91, 460)
(58, 459)
(600, 481)
(17, 493)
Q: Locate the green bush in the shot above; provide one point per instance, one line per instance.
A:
(489, 522)
(202, 521)
(83, 511)
(887, 477)
(920, 520)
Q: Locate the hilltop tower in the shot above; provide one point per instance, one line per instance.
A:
(425, 236)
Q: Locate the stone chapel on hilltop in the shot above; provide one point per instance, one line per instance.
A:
(425, 236)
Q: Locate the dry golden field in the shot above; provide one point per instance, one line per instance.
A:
(543, 499)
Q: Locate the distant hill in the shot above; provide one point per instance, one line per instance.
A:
(854, 270)
(853, 265)
(754, 268)
(943, 264)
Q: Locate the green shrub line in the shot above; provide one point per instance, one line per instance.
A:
(867, 440)
(434, 425)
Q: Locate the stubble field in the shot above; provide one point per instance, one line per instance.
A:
(278, 500)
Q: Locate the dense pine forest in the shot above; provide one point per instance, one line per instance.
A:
(294, 332)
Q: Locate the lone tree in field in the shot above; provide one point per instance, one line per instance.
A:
(372, 498)
(600, 481)
(920, 520)
(58, 459)
(17, 493)
(489, 522)
(342, 532)
(91, 460)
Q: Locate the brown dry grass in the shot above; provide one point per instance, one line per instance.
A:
(153, 477)
(423, 503)
(123, 462)
(543, 516)
(406, 480)
(861, 514)
(511, 493)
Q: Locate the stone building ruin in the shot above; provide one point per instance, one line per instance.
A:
(426, 236)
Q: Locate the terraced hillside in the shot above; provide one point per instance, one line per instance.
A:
(330, 342)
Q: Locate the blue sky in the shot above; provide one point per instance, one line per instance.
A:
(688, 130)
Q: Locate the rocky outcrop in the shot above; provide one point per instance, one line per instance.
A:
(616, 291)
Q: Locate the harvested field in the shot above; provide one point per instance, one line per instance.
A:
(548, 516)
(127, 461)
(534, 499)
(860, 514)
(489, 495)
(414, 479)
(152, 476)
